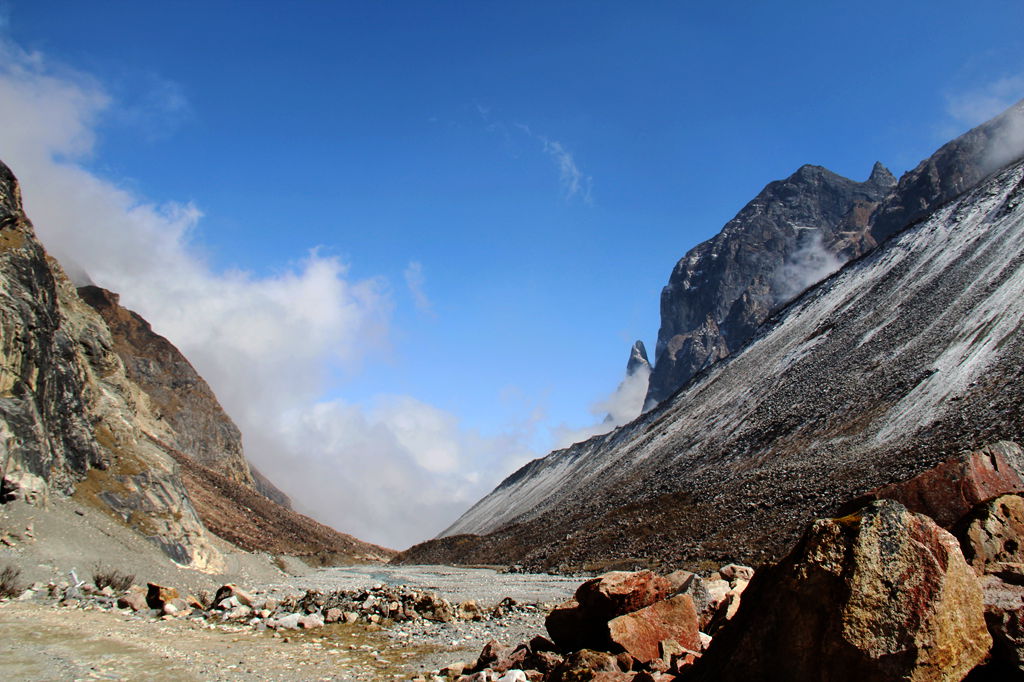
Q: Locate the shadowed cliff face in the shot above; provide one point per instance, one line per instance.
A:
(794, 233)
(202, 430)
(798, 231)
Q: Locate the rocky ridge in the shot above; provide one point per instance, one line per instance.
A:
(201, 428)
(906, 355)
(794, 233)
(115, 419)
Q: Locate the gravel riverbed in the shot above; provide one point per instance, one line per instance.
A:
(55, 641)
(439, 644)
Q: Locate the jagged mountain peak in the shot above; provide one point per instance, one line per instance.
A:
(882, 176)
(792, 234)
(637, 358)
(956, 167)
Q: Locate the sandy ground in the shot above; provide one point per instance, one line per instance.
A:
(43, 641)
(66, 535)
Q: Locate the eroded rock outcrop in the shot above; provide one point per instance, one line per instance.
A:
(201, 428)
(70, 419)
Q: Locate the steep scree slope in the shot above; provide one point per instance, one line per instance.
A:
(907, 355)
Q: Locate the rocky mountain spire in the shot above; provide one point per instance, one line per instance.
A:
(637, 359)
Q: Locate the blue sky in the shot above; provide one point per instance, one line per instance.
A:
(502, 188)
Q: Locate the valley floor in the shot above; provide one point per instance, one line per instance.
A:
(51, 642)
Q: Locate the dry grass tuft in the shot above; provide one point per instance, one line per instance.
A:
(104, 576)
(9, 582)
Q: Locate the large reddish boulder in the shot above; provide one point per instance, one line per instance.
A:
(619, 592)
(581, 622)
(640, 633)
(881, 594)
(950, 490)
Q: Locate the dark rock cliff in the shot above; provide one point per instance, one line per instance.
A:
(794, 233)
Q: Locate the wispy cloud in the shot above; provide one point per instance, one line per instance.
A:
(982, 102)
(416, 281)
(394, 472)
(574, 182)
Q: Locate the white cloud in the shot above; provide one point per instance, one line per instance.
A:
(621, 407)
(985, 101)
(416, 281)
(574, 182)
(394, 472)
(807, 265)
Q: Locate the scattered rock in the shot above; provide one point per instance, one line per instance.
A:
(134, 599)
(733, 572)
(158, 595)
(468, 610)
(231, 590)
(583, 665)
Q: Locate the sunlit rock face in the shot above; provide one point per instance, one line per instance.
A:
(70, 419)
(201, 428)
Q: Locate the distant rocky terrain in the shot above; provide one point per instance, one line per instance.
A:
(909, 353)
(94, 404)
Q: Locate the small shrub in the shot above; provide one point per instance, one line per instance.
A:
(9, 582)
(103, 576)
(205, 598)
